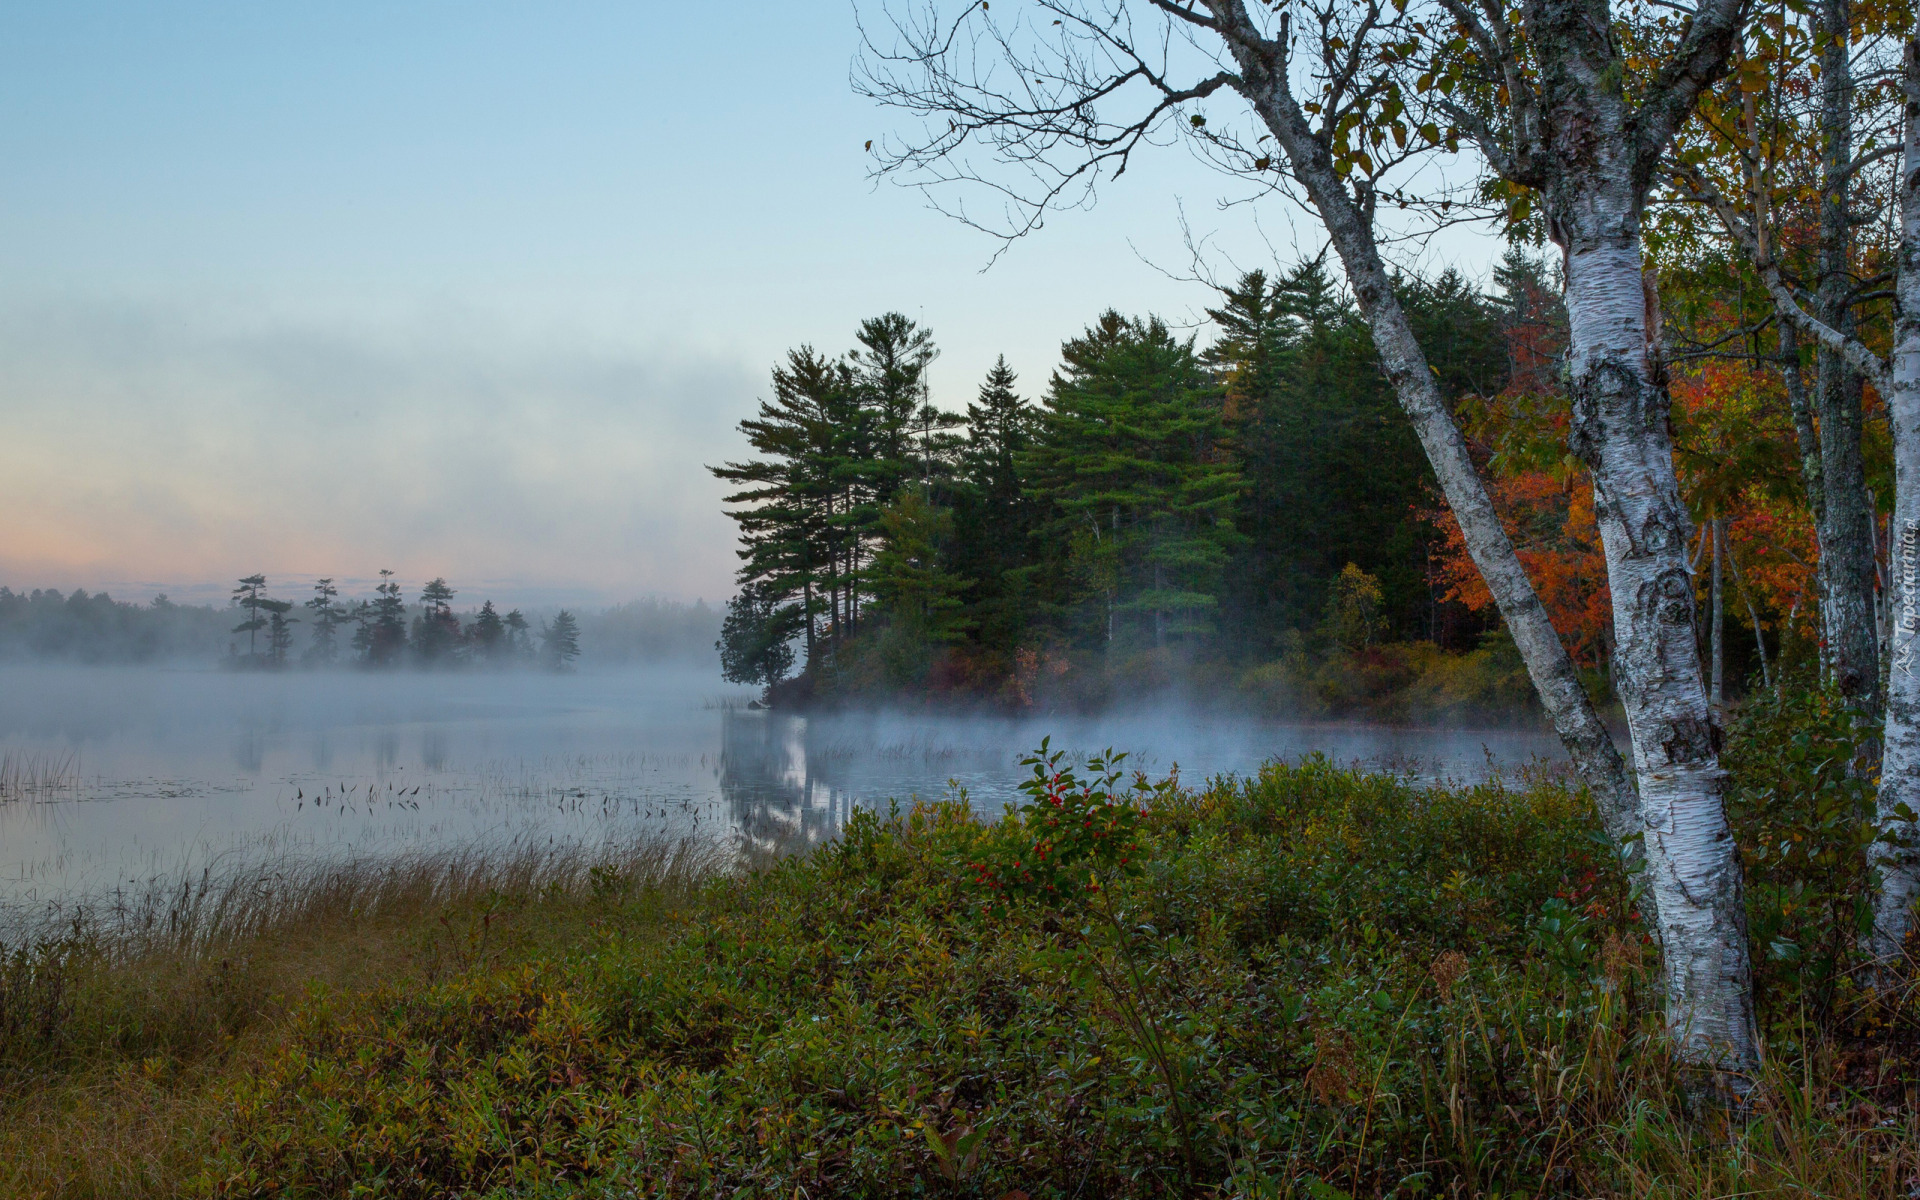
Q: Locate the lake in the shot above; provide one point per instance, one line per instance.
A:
(165, 773)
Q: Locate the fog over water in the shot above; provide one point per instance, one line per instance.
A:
(165, 773)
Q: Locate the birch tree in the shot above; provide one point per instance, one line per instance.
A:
(1805, 168)
(1897, 378)
(1542, 93)
(1894, 850)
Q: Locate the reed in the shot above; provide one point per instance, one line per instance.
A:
(29, 775)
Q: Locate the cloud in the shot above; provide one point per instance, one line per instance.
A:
(142, 443)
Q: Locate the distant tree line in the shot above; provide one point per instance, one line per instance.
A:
(1164, 506)
(96, 628)
(259, 630)
(382, 631)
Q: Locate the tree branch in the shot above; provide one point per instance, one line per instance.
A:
(1852, 350)
(1700, 60)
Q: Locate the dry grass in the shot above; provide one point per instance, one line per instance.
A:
(120, 1013)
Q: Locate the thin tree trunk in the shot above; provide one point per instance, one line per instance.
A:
(1786, 636)
(1718, 628)
(1812, 477)
(1847, 541)
(1895, 854)
(806, 609)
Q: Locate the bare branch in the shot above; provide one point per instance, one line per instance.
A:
(1852, 350)
(1675, 91)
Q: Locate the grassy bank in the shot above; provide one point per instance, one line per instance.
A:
(1311, 983)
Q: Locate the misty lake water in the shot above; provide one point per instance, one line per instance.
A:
(170, 773)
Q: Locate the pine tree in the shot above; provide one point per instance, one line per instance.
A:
(1133, 468)
(1256, 330)
(436, 632)
(891, 369)
(560, 641)
(800, 539)
(386, 623)
(488, 634)
(1000, 427)
(326, 617)
(993, 512)
(249, 595)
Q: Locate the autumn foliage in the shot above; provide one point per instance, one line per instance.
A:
(1735, 457)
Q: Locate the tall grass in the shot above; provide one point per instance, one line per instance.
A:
(119, 1010)
(292, 896)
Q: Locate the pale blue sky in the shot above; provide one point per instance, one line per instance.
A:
(470, 289)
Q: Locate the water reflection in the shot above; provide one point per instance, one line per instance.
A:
(774, 794)
(179, 771)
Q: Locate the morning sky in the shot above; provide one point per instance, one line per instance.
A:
(473, 289)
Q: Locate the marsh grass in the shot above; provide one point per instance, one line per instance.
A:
(30, 775)
(119, 1013)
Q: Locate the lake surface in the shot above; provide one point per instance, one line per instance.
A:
(168, 773)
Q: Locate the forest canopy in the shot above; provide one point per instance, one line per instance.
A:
(1243, 503)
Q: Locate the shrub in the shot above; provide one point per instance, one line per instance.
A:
(1311, 982)
(1263, 1013)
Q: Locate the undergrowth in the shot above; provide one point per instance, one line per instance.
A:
(1309, 983)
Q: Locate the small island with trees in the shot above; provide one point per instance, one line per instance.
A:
(381, 635)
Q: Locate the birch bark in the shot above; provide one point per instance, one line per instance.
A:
(1620, 431)
(1895, 854)
(1595, 172)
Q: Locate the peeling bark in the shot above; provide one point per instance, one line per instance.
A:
(1895, 854)
(1620, 430)
(1595, 185)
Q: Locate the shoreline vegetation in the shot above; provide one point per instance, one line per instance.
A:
(1249, 520)
(1310, 982)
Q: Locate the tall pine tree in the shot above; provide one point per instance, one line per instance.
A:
(1138, 483)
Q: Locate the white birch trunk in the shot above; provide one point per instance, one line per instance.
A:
(1895, 854)
(1620, 429)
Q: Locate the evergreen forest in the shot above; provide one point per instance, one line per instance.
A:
(1237, 510)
